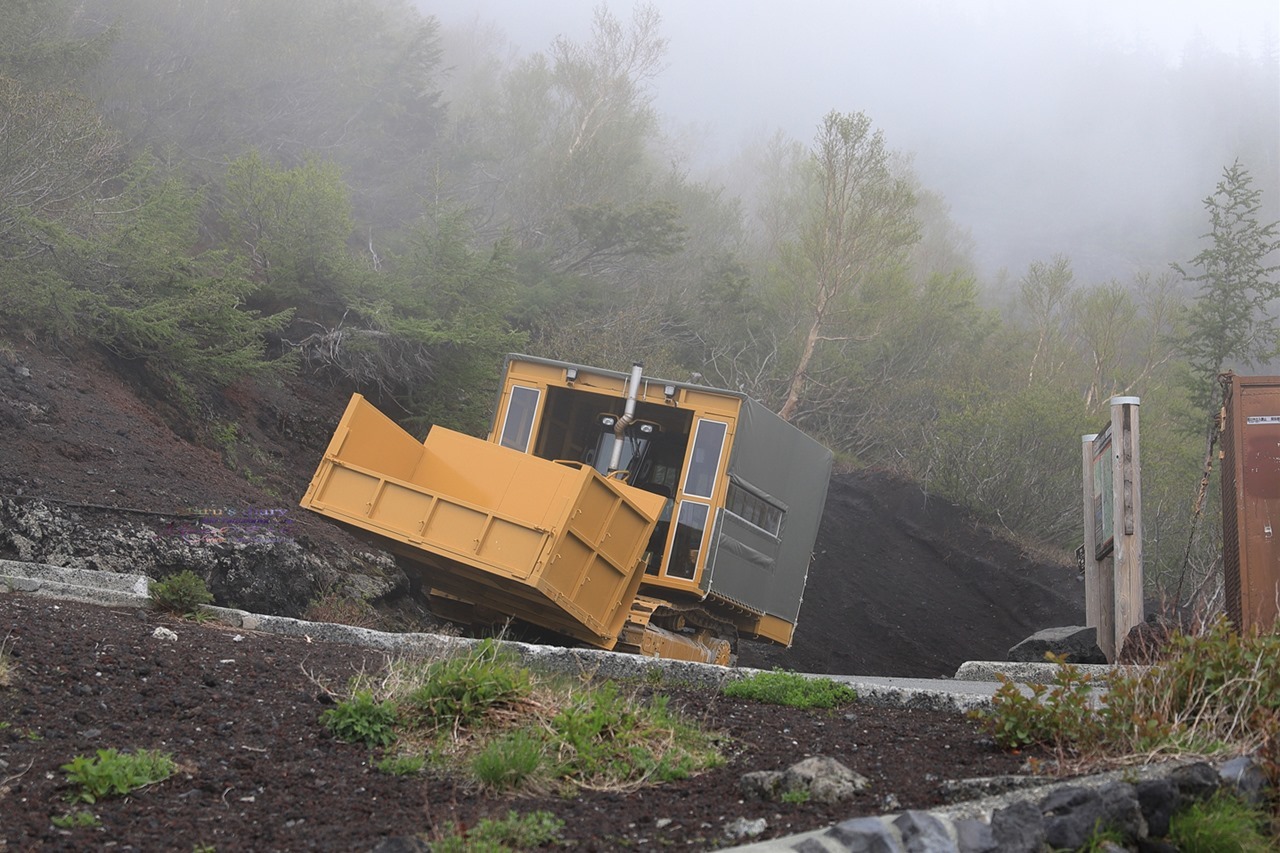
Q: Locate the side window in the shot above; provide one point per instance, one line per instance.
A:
(686, 546)
(704, 461)
(754, 509)
(517, 424)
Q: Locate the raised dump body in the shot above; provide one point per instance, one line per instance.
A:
(557, 545)
(662, 518)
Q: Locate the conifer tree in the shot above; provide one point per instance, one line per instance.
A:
(1230, 322)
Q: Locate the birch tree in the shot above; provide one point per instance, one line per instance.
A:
(860, 224)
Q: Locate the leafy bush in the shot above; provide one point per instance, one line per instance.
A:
(1051, 715)
(183, 593)
(514, 832)
(1215, 692)
(791, 689)
(361, 719)
(116, 773)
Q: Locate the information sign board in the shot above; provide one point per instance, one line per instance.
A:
(1103, 496)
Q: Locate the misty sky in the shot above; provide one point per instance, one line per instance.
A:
(1021, 113)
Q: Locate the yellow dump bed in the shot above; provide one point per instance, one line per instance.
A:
(555, 544)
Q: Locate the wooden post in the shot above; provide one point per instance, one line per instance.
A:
(1092, 599)
(1100, 595)
(1128, 605)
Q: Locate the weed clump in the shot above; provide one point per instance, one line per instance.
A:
(112, 773)
(482, 714)
(75, 820)
(6, 665)
(458, 692)
(513, 832)
(791, 689)
(332, 606)
(362, 719)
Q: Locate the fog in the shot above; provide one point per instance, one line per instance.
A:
(1093, 129)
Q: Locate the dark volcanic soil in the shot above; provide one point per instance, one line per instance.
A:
(240, 713)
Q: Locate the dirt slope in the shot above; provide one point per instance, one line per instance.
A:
(902, 584)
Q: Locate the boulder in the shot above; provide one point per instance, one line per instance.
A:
(822, 779)
(1074, 643)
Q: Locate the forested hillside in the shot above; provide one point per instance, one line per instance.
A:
(208, 193)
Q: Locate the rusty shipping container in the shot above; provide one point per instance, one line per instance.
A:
(1251, 500)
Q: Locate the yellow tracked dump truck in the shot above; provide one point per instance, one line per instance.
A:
(628, 513)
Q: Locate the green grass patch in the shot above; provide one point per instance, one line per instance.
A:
(112, 773)
(1221, 824)
(460, 691)
(792, 690)
(511, 760)
(513, 832)
(401, 765)
(605, 739)
(482, 715)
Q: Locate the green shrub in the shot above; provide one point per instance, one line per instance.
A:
(507, 762)
(792, 690)
(1215, 692)
(514, 832)
(116, 773)
(183, 593)
(361, 719)
(1222, 824)
(1052, 715)
(457, 692)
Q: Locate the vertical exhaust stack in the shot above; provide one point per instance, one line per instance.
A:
(628, 415)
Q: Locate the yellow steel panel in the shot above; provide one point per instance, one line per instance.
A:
(400, 508)
(571, 557)
(600, 588)
(511, 547)
(594, 508)
(497, 478)
(368, 439)
(627, 527)
(342, 487)
(454, 526)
